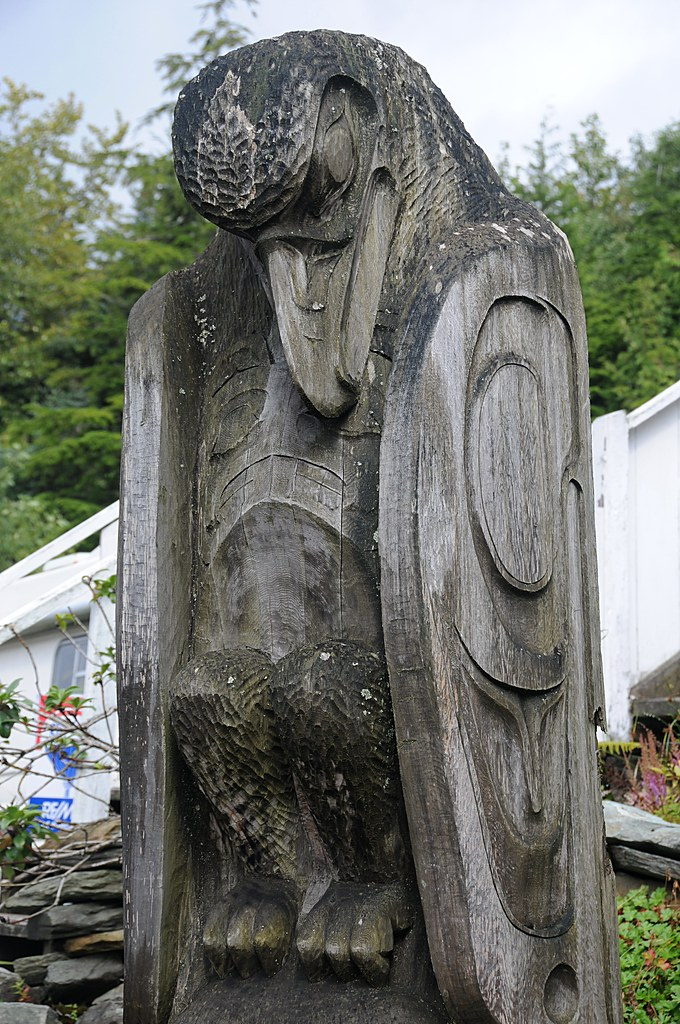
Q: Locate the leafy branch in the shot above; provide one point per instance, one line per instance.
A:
(217, 34)
(59, 732)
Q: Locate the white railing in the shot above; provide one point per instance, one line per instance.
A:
(68, 590)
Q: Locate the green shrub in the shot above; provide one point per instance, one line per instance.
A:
(649, 941)
(19, 829)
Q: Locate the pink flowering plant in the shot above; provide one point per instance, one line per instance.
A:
(654, 776)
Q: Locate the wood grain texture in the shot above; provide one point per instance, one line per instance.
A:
(492, 671)
(155, 571)
(357, 435)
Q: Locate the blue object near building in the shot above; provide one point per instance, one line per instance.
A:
(54, 811)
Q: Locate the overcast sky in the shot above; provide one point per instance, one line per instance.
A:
(503, 64)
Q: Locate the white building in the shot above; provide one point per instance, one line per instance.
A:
(636, 461)
(48, 583)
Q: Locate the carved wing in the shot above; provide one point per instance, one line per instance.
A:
(165, 367)
(487, 600)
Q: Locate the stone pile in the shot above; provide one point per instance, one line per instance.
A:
(63, 932)
(641, 845)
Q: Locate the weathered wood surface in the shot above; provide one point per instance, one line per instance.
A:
(657, 695)
(155, 569)
(493, 690)
(355, 475)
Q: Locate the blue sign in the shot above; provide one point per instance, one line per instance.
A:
(54, 810)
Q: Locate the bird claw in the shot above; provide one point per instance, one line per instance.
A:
(352, 929)
(252, 931)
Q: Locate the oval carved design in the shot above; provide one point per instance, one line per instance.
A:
(561, 994)
(513, 480)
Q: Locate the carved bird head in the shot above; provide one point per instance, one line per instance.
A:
(348, 170)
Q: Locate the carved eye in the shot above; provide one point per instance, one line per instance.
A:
(338, 151)
(333, 167)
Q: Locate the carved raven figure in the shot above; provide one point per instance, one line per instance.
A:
(359, 630)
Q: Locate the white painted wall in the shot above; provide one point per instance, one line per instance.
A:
(636, 464)
(92, 796)
(15, 663)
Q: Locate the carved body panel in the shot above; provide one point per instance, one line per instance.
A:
(504, 586)
(518, 448)
(497, 640)
(288, 514)
(359, 672)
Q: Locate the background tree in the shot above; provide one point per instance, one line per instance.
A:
(56, 198)
(72, 264)
(622, 220)
(217, 34)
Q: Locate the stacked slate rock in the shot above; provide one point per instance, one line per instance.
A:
(642, 846)
(63, 933)
(24, 1013)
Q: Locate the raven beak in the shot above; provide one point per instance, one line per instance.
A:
(326, 297)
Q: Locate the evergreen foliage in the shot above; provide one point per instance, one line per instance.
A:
(72, 265)
(216, 35)
(622, 219)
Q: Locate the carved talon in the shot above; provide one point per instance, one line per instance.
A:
(241, 940)
(351, 928)
(252, 932)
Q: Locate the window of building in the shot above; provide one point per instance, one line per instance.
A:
(70, 662)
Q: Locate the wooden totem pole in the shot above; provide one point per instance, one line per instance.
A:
(359, 662)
